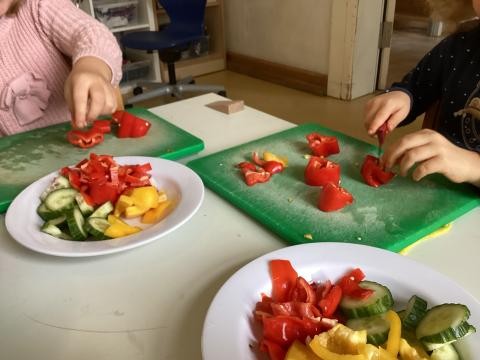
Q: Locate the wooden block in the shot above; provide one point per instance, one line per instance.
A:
(227, 106)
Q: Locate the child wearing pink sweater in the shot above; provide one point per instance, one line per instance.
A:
(56, 64)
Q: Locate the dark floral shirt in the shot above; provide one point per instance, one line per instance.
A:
(450, 72)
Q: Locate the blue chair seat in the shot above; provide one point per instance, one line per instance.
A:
(159, 40)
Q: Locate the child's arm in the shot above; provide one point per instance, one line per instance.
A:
(94, 52)
(433, 153)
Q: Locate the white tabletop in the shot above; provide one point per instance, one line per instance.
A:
(150, 302)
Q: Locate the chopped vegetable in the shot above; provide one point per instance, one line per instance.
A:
(85, 138)
(333, 198)
(393, 342)
(129, 125)
(320, 171)
(322, 145)
(373, 174)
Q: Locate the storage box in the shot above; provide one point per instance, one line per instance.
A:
(136, 70)
(116, 13)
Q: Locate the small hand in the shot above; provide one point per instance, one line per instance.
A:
(390, 108)
(88, 91)
(433, 153)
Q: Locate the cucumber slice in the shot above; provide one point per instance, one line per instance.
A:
(445, 352)
(444, 323)
(54, 231)
(47, 214)
(103, 210)
(464, 328)
(83, 205)
(97, 227)
(377, 328)
(61, 199)
(378, 303)
(415, 311)
(76, 224)
(60, 182)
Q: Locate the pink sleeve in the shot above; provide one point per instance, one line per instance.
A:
(76, 34)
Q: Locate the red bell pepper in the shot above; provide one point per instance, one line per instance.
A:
(284, 330)
(382, 133)
(255, 177)
(333, 198)
(373, 174)
(85, 138)
(284, 278)
(321, 171)
(328, 305)
(129, 125)
(274, 351)
(349, 284)
(322, 145)
(103, 126)
(273, 167)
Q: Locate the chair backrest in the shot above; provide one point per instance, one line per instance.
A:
(186, 15)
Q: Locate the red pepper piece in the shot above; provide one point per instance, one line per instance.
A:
(130, 125)
(350, 287)
(373, 174)
(247, 166)
(256, 159)
(321, 171)
(254, 177)
(328, 305)
(284, 278)
(322, 145)
(103, 192)
(273, 167)
(382, 133)
(103, 126)
(333, 198)
(85, 139)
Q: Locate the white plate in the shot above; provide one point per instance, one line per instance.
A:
(179, 182)
(229, 327)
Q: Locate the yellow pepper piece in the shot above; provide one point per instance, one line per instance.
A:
(119, 228)
(135, 211)
(298, 351)
(145, 197)
(394, 334)
(325, 354)
(154, 215)
(122, 203)
(268, 156)
(112, 219)
(162, 197)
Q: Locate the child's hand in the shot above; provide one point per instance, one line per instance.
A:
(88, 91)
(392, 107)
(433, 153)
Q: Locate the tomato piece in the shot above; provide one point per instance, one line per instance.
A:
(373, 174)
(328, 305)
(322, 145)
(320, 171)
(85, 138)
(273, 167)
(333, 198)
(284, 278)
(103, 126)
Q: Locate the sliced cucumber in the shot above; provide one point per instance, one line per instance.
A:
(83, 205)
(415, 311)
(444, 323)
(464, 328)
(96, 227)
(378, 303)
(445, 352)
(377, 328)
(47, 214)
(103, 210)
(60, 182)
(76, 224)
(61, 199)
(54, 231)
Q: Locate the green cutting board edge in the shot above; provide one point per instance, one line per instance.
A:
(391, 217)
(28, 156)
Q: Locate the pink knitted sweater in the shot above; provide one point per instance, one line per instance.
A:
(37, 49)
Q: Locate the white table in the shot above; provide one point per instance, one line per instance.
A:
(150, 302)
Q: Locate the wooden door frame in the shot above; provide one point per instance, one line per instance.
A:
(354, 54)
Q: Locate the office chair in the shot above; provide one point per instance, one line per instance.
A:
(186, 26)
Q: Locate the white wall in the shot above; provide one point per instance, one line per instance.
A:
(289, 32)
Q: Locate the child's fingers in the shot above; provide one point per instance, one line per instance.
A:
(80, 104)
(416, 156)
(96, 103)
(431, 166)
(396, 151)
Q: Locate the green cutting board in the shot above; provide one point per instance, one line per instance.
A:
(28, 156)
(391, 217)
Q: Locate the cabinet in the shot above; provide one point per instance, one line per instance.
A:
(215, 60)
(133, 15)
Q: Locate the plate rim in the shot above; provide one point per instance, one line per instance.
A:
(198, 196)
(206, 349)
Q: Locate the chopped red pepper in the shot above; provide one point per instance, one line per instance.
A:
(373, 174)
(321, 171)
(349, 284)
(85, 138)
(284, 278)
(256, 159)
(130, 125)
(103, 126)
(273, 167)
(255, 177)
(322, 145)
(382, 133)
(333, 198)
(328, 305)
